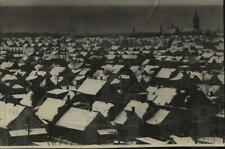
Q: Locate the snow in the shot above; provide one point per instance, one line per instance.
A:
(26, 100)
(158, 117)
(46, 113)
(8, 113)
(221, 78)
(77, 119)
(177, 77)
(91, 86)
(55, 71)
(107, 131)
(165, 73)
(24, 132)
(152, 141)
(121, 118)
(9, 77)
(221, 114)
(6, 65)
(102, 107)
(182, 140)
(164, 95)
(212, 140)
(140, 107)
(57, 91)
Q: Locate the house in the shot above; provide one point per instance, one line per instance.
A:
(129, 120)
(84, 127)
(217, 123)
(19, 125)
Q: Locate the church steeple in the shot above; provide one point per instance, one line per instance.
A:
(196, 21)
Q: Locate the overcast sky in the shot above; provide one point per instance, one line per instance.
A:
(107, 2)
(106, 16)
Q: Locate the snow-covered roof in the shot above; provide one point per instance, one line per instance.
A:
(107, 131)
(49, 108)
(217, 59)
(102, 107)
(221, 114)
(152, 141)
(148, 68)
(121, 118)
(8, 113)
(221, 78)
(57, 91)
(57, 70)
(162, 96)
(9, 77)
(152, 93)
(212, 140)
(182, 140)
(117, 68)
(24, 132)
(77, 119)
(158, 117)
(91, 86)
(177, 77)
(140, 107)
(6, 65)
(27, 99)
(56, 79)
(165, 73)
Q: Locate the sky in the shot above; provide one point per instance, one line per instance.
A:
(107, 2)
(106, 16)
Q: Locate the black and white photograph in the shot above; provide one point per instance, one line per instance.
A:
(111, 73)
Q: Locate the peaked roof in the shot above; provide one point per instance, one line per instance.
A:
(49, 108)
(77, 119)
(8, 113)
(91, 86)
(165, 73)
(102, 107)
(158, 117)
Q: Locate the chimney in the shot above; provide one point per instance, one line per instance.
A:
(133, 109)
(14, 103)
(68, 97)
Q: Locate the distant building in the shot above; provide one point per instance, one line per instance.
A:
(196, 21)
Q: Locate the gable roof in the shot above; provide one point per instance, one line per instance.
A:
(77, 119)
(165, 73)
(102, 107)
(182, 140)
(57, 70)
(152, 141)
(140, 107)
(8, 113)
(49, 108)
(91, 86)
(158, 117)
(164, 95)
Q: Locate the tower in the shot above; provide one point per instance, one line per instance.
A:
(196, 21)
